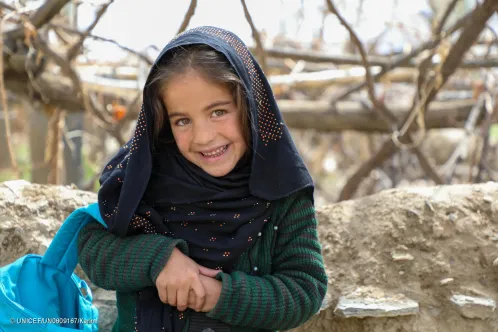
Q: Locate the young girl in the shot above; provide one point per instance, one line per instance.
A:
(209, 207)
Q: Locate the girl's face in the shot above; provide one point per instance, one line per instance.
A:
(205, 122)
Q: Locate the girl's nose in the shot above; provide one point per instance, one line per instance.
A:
(203, 134)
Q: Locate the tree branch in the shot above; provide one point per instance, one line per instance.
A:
(73, 51)
(490, 118)
(346, 59)
(257, 37)
(368, 76)
(43, 15)
(391, 118)
(6, 6)
(349, 115)
(469, 35)
(402, 60)
(439, 27)
(103, 119)
(472, 27)
(108, 40)
(427, 166)
(451, 164)
(354, 181)
(188, 16)
(3, 96)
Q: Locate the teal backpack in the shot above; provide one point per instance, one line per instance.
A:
(41, 293)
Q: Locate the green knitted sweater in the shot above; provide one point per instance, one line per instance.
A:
(287, 289)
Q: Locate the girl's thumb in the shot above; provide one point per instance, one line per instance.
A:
(208, 272)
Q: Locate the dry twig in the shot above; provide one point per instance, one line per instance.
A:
(427, 63)
(73, 51)
(3, 96)
(382, 61)
(188, 16)
(472, 27)
(391, 118)
(256, 36)
(102, 118)
(451, 164)
(405, 59)
(54, 150)
(61, 35)
(108, 40)
(440, 25)
(492, 42)
(40, 17)
(491, 116)
(368, 76)
(6, 6)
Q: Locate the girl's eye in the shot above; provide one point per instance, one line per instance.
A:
(182, 122)
(218, 113)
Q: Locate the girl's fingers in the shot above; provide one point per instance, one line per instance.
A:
(208, 272)
(182, 298)
(200, 294)
(163, 294)
(171, 297)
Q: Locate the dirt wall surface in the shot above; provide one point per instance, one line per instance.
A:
(412, 259)
(403, 260)
(30, 215)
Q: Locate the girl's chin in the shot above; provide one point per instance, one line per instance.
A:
(218, 171)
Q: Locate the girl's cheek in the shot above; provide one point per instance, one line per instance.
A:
(231, 122)
(236, 126)
(180, 137)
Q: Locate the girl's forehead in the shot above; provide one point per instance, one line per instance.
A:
(194, 93)
(195, 84)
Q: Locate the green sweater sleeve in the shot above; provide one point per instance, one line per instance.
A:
(123, 264)
(295, 289)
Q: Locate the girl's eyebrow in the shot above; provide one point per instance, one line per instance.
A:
(212, 105)
(172, 115)
(218, 103)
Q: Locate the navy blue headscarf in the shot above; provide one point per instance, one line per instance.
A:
(149, 187)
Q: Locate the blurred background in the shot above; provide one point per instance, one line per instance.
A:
(378, 93)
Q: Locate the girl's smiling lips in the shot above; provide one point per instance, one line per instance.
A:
(216, 154)
(213, 150)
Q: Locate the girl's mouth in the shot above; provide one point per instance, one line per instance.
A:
(216, 153)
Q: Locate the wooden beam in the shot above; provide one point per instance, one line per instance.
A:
(350, 115)
(326, 78)
(344, 59)
(40, 17)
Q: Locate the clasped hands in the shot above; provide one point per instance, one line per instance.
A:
(183, 283)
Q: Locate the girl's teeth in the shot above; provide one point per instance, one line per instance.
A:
(216, 153)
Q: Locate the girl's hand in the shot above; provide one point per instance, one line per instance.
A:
(180, 275)
(213, 291)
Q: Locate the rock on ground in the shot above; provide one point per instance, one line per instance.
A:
(30, 215)
(411, 259)
(423, 244)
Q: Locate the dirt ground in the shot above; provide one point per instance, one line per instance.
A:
(427, 244)
(424, 244)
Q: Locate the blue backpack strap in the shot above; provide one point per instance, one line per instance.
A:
(93, 210)
(63, 250)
